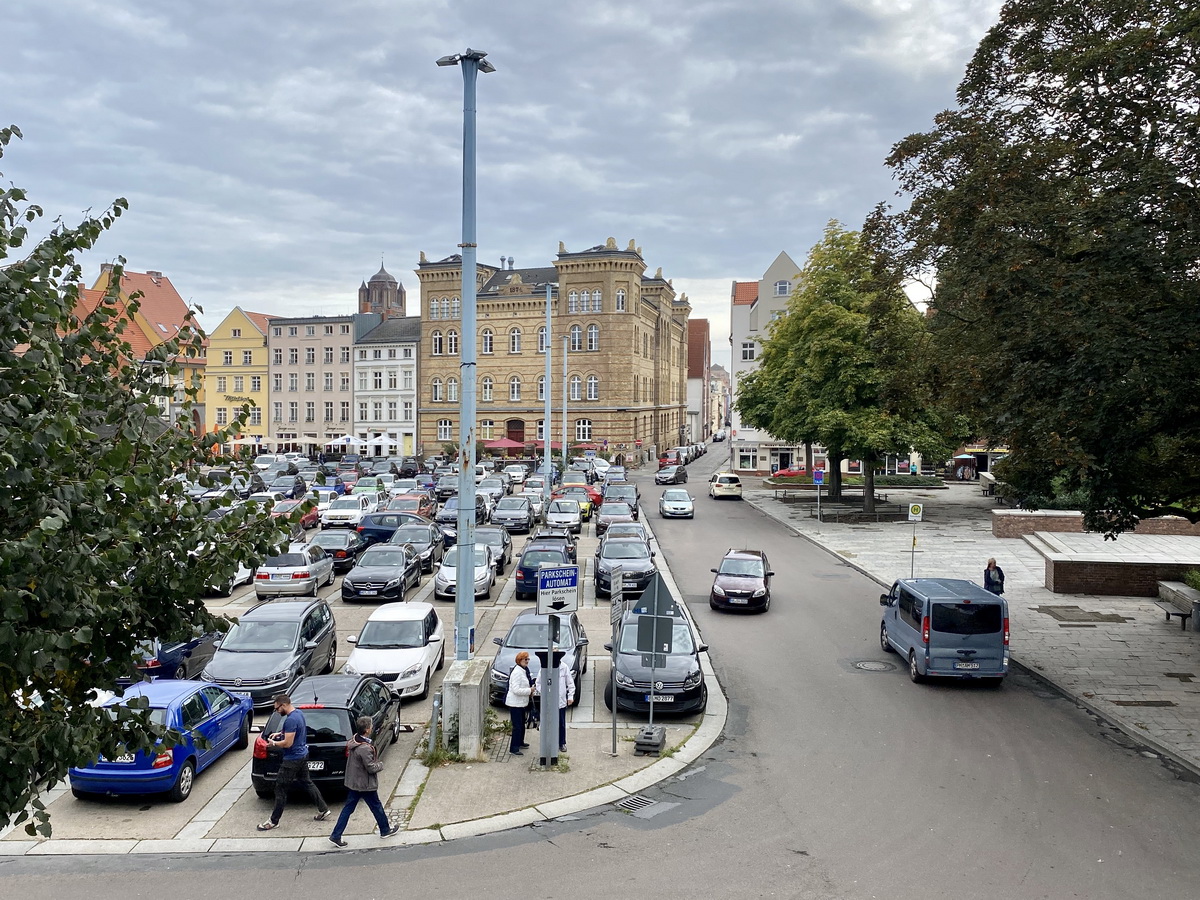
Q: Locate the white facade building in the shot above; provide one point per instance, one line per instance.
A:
(385, 387)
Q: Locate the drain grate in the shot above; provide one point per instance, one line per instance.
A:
(874, 665)
(1144, 703)
(1075, 614)
(635, 803)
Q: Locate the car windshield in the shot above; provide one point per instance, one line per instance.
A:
(534, 634)
(285, 561)
(286, 505)
(260, 637)
(966, 618)
(407, 504)
(264, 460)
(382, 557)
(452, 503)
(533, 558)
(391, 635)
(564, 506)
(418, 534)
(451, 558)
(749, 568)
(676, 495)
(613, 508)
(491, 483)
(332, 538)
(345, 503)
(158, 715)
(368, 481)
(287, 483)
(626, 529)
(405, 484)
(512, 503)
(625, 550)
(681, 638)
(491, 538)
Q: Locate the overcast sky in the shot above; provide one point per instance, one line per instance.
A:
(272, 151)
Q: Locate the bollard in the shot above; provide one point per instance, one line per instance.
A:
(434, 719)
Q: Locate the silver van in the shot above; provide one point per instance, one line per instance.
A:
(946, 627)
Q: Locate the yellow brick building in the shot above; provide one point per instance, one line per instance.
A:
(237, 372)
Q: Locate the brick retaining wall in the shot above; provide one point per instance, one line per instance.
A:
(1016, 523)
(1110, 578)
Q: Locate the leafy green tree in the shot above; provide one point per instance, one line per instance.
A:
(846, 366)
(1059, 206)
(100, 547)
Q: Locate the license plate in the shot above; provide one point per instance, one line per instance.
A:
(242, 694)
(368, 593)
(739, 600)
(966, 665)
(660, 698)
(316, 765)
(629, 583)
(277, 576)
(124, 758)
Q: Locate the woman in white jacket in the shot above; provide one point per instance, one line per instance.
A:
(520, 689)
(566, 696)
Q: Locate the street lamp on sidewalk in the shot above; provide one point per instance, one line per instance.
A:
(472, 63)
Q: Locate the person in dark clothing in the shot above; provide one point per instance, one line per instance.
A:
(362, 782)
(292, 739)
(993, 577)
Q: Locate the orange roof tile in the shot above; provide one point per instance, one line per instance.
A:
(90, 299)
(260, 320)
(160, 304)
(744, 293)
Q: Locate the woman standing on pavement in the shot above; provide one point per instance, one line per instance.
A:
(993, 577)
(520, 688)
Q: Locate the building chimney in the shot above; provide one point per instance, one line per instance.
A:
(510, 263)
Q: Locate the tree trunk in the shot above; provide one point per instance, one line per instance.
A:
(808, 458)
(868, 464)
(833, 463)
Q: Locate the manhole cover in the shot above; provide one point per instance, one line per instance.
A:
(634, 803)
(1075, 614)
(874, 665)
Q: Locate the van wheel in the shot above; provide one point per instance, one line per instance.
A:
(883, 640)
(914, 674)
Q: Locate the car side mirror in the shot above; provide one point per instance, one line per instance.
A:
(608, 647)
(770, 574)
(435, 639)
(714, 571)
(583, 642)
(499, 642)
(653, 554)
(883, 599)
(216, 645)
(703, 648)
(353, 639)
(310, 645)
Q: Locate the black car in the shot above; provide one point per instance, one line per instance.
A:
(676, 681)
(448, 514)
(291, 486)
(428, 540)
(384, 572)
(564, 538)
(635, 559)
(499, 540)
(671, 475)
(273, 646)
(529, 633)
(742, 582)
(447, 487)
(341, 544)
(624, 492)
(331, 704)
(408, 467)
(514, 513)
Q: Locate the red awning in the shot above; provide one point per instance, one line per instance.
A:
(504, 444)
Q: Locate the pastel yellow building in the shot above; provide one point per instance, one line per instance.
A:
(236, 374)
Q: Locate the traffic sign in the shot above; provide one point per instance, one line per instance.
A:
(558, 589)
(616, 595)
(654, 634)
(818, 476)
(915, 511)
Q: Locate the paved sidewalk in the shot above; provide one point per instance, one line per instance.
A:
(1114, 655)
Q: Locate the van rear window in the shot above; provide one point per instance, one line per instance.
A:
(966, 618)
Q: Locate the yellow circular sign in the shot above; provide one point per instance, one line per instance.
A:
(915, 509)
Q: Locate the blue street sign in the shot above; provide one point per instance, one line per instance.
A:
(818, 476)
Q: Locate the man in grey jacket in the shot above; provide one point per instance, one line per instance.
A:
(362, 782)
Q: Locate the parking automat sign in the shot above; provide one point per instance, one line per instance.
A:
(915, 511)
(558, 589)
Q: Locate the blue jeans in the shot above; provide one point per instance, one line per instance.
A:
(371, 798)
(518, 727)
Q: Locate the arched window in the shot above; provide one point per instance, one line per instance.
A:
(487, 429)
(452, 343)
(781, 289)
(444, 427)
(542, 339)
(541, 387)
(572, 302)
(621, 301)
(576, 387)
(593, 387)
(445, 307)
(593, 337)
(514, 340)
(489, 341)
(452, 390)
(576, 338)
(486, 387)
(433, 309)
(583, 429)
(514, 388)
(437, 344)
(585, 301)
(435, 390)
(597, 306)
(456, 308)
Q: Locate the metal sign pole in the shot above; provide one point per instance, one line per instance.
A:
(617, 598)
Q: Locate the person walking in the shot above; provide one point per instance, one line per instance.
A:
(993, 577)
(566, 696)
(292, 739)
(362, 782)
(520, 689)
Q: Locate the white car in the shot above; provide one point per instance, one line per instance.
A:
(403, 645)
(266, 499)
(268, 461)
(517, 472)
(387, 481)
(724, 484)
(347, 512)
(446, 579)
(537, 500)
(323, 496)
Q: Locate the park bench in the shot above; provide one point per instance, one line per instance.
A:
(1174, 607)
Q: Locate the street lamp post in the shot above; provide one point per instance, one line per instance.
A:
(566, 347)
(472, 63)
(546, 411)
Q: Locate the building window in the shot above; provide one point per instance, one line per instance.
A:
(781, 289)
(329, 381)
(345, 355)
(435, 390)
(255, 383)
(278, 411)
(747, 351)
(445, 308)
(406, 353)
(239, 383)
(329, 329)
(433, 309)
(489, 341)
(293, 381)
(293, 356)
(514, 340)
(328, 410)
(408, 410)
(377, 380)
(277, 332)
(486, 385)
(452, 390)
(576, 387)
(227, 358)
(444, 427)
(452, 343)
(310, 330)
(593, 387)
(436, 343)
(362, 381)
(247, 357)
(541, 339)
(585, 301)
(621, 301)
(310, 356)
(256, 417)
(344, 382)
(391, 410)
(277, 356)
(576, 338)
(377, 411)
(327, 355)
(277, 382)
(540, 430)
(391, 352)
(391, 379)
(345, 329)
(292, 331)
(748, 459)
(310, 381)
(583, 429)
(362, 354)
(345, 411)
(514, 388)
(310, 411)
(456, 308)
(222, 415)
(222, 384)
(593, 337)
(293, 411)
(377, 353)
(541, 387)
(573, 302)
(407, 379)
(597, 306)
(362, 411)
(487, 429)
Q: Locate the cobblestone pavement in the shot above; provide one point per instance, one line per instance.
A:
(1114, 655)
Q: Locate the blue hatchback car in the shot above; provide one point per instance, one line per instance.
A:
(189, 707)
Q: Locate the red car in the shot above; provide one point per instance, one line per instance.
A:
(310, 518)
(578, 492)
(669, 458)
(792, 472)
(349, 479)
(421, 504)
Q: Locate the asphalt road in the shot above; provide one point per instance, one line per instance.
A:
(831, 781)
